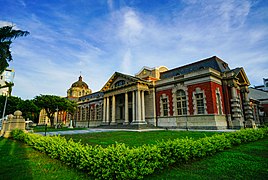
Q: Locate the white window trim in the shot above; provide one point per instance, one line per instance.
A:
(164, 96)
(174, 97)
(198, 91)
(219, 106)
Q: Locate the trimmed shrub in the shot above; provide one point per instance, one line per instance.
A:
(121, 162)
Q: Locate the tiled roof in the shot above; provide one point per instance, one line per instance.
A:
(257, 94)
(212, 62)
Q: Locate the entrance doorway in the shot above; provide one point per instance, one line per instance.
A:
(130, 117)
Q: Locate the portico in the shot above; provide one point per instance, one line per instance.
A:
(124, 102)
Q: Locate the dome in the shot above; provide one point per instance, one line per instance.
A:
(80, 83)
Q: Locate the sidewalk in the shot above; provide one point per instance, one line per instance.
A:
(95, 130)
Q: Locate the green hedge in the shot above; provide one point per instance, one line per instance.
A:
(121, 162)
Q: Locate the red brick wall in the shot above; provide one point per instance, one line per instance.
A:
(168, 93)
(210, 92)
(214, 86)
(226, 99)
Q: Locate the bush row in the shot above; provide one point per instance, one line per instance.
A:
(121, 162)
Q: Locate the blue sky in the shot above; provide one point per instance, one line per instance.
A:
(99, 37)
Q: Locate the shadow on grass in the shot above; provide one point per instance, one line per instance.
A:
(19, 161)
(14, 160)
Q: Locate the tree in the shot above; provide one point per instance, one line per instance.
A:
(53, 103)
(12, 104)
(29, 110)
(7, 34)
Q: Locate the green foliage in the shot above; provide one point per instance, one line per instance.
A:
(122, 162)
(51, 103)
(12, 104)
(29, 110)
(7, 33)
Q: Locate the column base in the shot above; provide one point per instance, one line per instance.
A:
(126, 123)
(105, 123)
(237, 124)
(250, 124)
(113, 123)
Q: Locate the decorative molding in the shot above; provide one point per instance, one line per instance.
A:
(197, 91)
(164, 96)
(219, 104)
(177, 87)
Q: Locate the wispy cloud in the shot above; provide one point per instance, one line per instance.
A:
(103, 37)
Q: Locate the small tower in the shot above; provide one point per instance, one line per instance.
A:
(78, 89)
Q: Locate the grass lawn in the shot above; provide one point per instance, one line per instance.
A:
(134, 138)
(19, 161)
(248, 161)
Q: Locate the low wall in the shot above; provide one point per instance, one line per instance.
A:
(194, 122)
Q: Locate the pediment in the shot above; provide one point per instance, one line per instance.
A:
(119, 80)
(241, 76)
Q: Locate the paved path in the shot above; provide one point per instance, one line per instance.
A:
(109, 130)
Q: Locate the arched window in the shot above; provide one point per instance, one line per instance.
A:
(181, 102)
(119, 83)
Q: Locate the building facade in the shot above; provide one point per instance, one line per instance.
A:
(5, 78)
(206, 94)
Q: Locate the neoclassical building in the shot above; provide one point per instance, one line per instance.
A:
(206, 94)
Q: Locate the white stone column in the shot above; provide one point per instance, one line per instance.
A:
(237, 120)
(138, 105)
(108, 110)
(133, 106)
(126, 109)
(113, 109)
(233, 92)
(104, 110)
(142, 106)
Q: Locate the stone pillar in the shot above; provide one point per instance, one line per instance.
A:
(13, 122)
(142, 106)
(104, 111)
(249, 122)
(113, 111)
(138, 105)
(108, 110)
(126, 109)
(133, 106)
(237, 120)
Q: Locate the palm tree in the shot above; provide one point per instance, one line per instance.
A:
(6, 36)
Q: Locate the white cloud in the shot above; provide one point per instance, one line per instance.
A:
(126, 39)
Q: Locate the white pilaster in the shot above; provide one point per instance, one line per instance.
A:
(133, 106)
(104, 110)
(113, 109)
(108, 110)
(138, 105)
(142, 106)
(126, 108)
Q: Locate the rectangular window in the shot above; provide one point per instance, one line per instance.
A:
(200, 103)
(165, 106)
(181, 105)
